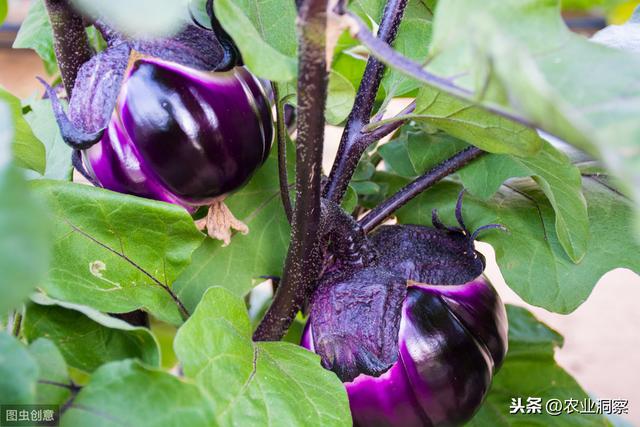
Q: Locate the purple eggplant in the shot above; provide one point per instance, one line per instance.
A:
(174, 119)
(183, 136)
(417, 334)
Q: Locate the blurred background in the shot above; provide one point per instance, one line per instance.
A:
(602, 337)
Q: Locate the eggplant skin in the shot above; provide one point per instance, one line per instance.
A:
(411, 352)
(181, 135)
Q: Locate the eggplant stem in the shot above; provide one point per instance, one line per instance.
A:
(381, 212)
(70, 41)
(304, 258)
(354, 140)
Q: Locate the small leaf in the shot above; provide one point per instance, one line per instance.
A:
(35, 33)
(28, 151)
(261, 252)
(53, 374)
(340, 98)
(529, 371)
(128, 393)
(86, 337)
(264, 31)
(265, 383)
(44, 126)
(18, 372)
(116, 253)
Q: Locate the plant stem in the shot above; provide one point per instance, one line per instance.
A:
(385, 53)
(17, 324)
(376, 131)
(282, 154)
(352, 144)
(381, 212)
(70, 40)
(304, 258)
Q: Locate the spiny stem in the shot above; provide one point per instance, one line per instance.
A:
(304, 258)
(381, 212)
(70, 41)
(282, 154)
(385, 53)
(353, 144)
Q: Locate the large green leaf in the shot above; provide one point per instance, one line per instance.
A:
(28, 151)
(521, 56)
(54, 384)
(18, 372)
(44, 126)
(86, 337)
(414, 152)
(530, 372)
(114, 252)
(530, 256)
(128, 393)
(238, 267)
(24, 246)
(266, 383)
(35, 33)
(264, 31)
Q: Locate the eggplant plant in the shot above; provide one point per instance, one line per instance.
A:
(325, 291)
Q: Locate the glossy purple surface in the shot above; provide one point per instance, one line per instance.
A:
(182, 135)
(451, 339)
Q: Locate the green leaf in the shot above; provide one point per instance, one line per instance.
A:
(530, 256)
(4, 9)
(114, 252)
(530, 371)
(18, 372)
(44, 126)
(264, 31)
(521, 56)
(53, 373)
(475, 125)
(265, 383)
(413, 39)
(340, 98)
(86, 337)
(24, 247)
(261, 252)
(35, 33)
(161, 17)
(28, 151)
(128, 393)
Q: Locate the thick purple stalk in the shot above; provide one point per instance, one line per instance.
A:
(381, 212)
(354, 142)
(303, 262)
(70, 40)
